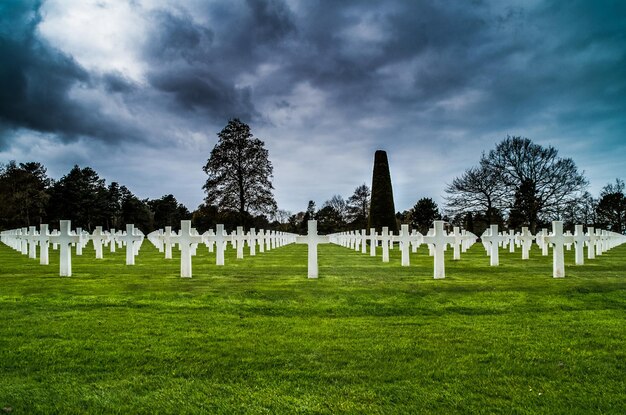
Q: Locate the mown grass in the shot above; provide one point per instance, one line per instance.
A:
(257, 336)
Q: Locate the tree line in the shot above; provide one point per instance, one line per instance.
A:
(519, 183)
(30, 197)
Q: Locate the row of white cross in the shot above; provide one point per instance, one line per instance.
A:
(597, 241)
(187, 239)
(437, 240)
(26, 241)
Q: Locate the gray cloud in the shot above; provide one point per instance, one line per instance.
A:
(37, 80)
(431, 81)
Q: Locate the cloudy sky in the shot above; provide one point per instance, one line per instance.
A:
(139, 89)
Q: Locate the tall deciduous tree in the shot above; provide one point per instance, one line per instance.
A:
(529, 181)
(544, 182)
(477, 191)
(240, 172)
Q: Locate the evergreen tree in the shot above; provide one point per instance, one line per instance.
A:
(168, 212)
(24, 194)
(358, 207)
(423, 214)
(382, 209)
(80, 196)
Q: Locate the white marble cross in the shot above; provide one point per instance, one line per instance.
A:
(405, 241)
(526, 240)
(24, 240)
(266, 239)
(209, 241)
(220, 244)
(456, 245)
(558, 240)
(364, 241)
(43, 238)
(417, 240)
(493, 238)
(65, 239)
(261, 239)
(239, 239)
(169, 239)
(98, 238)
(431, 247)
(541, 241)
(438, 240)
(112, 239)
(373, 238)
(80, 244)
(599, 242)
(273, 240)
(32, 242)
(130, 239)
(357, 240)
(312, 239)
(252, 241)
(579, 243)
(55, 245)
(185, 239)
(591, 243)
(384, 238)
(511, 240)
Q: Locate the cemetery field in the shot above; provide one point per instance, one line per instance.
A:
(257, 336)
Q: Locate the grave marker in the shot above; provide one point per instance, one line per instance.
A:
(65, 238)
(558, 240)
(438, 240)
(312, 239)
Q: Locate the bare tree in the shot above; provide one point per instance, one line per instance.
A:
(545, 182)
(477, 190)
(581, 212)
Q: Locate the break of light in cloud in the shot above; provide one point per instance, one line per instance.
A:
(138, 89)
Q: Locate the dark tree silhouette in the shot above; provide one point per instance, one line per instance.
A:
(545, 182)
(382, 209)
(168, 212)
(423, 214)
(478, 190)
(358, 207)
(24, 194)
(611, 209)
(529, 181)
(80, 196)
(239, 173)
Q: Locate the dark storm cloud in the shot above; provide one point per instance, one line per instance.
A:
(412, 76)
(118, 83)
(36, 81)
(185, 66)
(198, 90)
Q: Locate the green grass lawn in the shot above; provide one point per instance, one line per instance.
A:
(257, 336)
